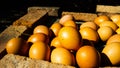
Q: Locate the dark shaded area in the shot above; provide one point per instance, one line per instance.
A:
(109, 2)
(10, 10)
(3, 53)
(67, 5)
(105, 61)
(8, 6)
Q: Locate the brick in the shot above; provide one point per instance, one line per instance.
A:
(31, 19)
(16, 61)
(52, 11)
(108, 8)
(81, 16)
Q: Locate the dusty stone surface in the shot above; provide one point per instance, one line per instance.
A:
(16, 61)
(52, 11)
(30, 19)
(109, 9)
(81, 16)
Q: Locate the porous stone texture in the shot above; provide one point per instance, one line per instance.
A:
(108, 8)
(30, 19)
(16, 61)
(52, 11)
(81, 16)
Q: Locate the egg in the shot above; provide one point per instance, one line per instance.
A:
(112, 51)
(115, 18)
(88, 57)
(65, 18)
(38, 37)
(70, 38)
(98, 20)
(39, 50)
(90, 34)
(62, 56)
(110, 24)
(89, 24)
(41, 29)
(105, 32)
(14, 45)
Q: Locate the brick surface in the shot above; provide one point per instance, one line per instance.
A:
(16, 61)
(30, 19)
(82, 16)
(52, 11)
(108, 8)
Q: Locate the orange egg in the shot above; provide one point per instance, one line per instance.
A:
(55, 42)
(70, 38)
(110, 24)
(39, 50)
(89, 24)
(65, 18)
(41, 29)
(113, 38)
(62, 56)
(38, 37)
(55, 27)
(105, 32)
(118, 23)
(14, 45)
(70, 23)
(88, 57)
(90, 34)
(118, 30)
(115, 18)
(112, 51)
(98, 20)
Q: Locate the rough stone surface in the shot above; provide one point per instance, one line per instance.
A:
(81, 16)
(109, 9)
(52, 11)
(30, 19)
(16, 61)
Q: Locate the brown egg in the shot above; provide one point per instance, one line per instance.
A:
(70, 38)
(62, 56)
(113, 38)
(65, 18)
(88, 57)
(112, 51)
(41, 29)
(38, 37)
(110, 24)
(105, 32)
(55, 27)
(89, 24)
(98, 20)
(90, 34)
(39, 50)
(115, 18)
(14, 45)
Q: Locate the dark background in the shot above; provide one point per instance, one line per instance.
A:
(9, 6)
(10, 10)
(69, 5)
